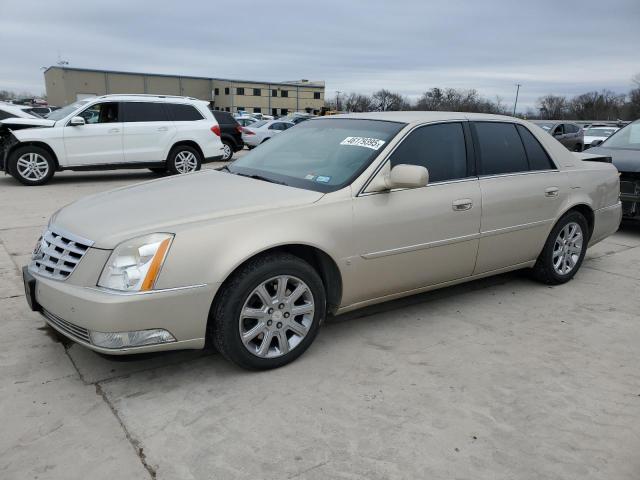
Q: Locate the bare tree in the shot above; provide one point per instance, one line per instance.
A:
(451, 99)
(552, 107)
(384, 100)
(358, 102)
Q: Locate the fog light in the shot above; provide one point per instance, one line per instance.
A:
(136, 338)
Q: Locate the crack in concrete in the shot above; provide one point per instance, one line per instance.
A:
(296, 475)
(133, 441)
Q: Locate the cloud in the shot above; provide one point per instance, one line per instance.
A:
(408, 46)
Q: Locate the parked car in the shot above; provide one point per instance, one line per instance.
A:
(263, 130)
(8, 110)
(598, 133)
(567, 133)
(624, 149)
(245, 121)
(231, 134)
(162, 133)
(330, 216)
(41, 110)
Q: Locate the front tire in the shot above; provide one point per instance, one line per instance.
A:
(31, 165)
(268, 312)
(563, 251)
(184, 159)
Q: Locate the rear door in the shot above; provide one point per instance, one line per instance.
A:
(522, 194)
(148, 131)
(99, 140)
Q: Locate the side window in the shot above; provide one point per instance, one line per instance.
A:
(500, 148)
(101, 113)
(144, 112)
(559, 130)
(440, 148)
(570, 128)
(184, 113)
(275, 126)
(538, 158)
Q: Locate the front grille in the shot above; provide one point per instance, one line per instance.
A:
(57, 254)
(69, 329)
(628, 187)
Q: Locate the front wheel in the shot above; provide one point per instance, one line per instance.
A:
(563, 251)
(31, 165)
(269, 312)
(184, 159)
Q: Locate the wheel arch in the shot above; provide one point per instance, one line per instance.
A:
(188, 143)
(585, 210)
(321, 261)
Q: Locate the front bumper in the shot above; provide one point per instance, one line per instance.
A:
(75, 311)
(630, 196)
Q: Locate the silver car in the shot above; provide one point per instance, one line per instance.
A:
(333, 215)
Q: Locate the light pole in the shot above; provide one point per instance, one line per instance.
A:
(515, 104)
(338, 92)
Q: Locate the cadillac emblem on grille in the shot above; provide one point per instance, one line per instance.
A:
(57, 254)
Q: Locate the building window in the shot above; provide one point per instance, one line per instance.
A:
(316, 95)
(226, 109)
(257, 92)
(257, 110)
(239, 91)
(216, 91)
(226, 90)
(274, 112)
(284, 111)
(284, 93)
(274, 93)
(238, 109)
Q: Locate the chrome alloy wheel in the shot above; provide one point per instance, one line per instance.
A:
(186, 162)
(226, 152)
(567, 248)
(32, 166)
(276, 316)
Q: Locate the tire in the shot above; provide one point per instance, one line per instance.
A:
(183, 159)
(227, 152)
(159, 170)
(239, 295)
(545, 270)
(31, 165)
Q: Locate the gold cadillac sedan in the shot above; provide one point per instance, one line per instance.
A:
(332, 215)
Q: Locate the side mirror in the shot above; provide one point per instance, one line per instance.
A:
(77, 121)
(595, 143)
(407, 176)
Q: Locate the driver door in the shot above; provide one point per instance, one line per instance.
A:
(99, 140)
(407, 239)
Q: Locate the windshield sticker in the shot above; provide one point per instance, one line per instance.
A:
(372, 143)
(311, 176)
(322, 179)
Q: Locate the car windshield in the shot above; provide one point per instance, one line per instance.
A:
(64, 111)
(599, 132)
(322, 155)
(627, 138)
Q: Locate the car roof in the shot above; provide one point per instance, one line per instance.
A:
(16, 109)
(162, 98)
(424, 116)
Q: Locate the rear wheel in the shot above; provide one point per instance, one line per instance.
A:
(564, 250)
(184, 159)
(227, 151)
(31, 165)
(269, 312)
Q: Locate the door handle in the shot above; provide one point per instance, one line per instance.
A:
(551, 192)
(114, 130)
(462, 205)
(163, 129)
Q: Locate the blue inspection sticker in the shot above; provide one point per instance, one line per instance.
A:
(323, 179)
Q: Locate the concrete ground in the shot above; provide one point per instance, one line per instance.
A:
(502, 378)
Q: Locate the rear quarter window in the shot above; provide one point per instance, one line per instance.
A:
(180, 112)
(536, 154)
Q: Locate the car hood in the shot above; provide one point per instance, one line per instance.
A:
(165, 204)
(624, 160)
(27, 122)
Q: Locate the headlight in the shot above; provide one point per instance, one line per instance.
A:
(134, 265)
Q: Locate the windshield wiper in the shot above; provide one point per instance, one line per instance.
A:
(260, 177)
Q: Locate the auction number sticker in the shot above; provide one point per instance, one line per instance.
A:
(372, 143)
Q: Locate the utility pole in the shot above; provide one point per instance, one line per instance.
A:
(515, 104)
(338, 92)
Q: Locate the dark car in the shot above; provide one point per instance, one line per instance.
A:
(231, 134)
(624, 149)
(567, 133)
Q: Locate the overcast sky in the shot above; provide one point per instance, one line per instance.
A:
(549, 46)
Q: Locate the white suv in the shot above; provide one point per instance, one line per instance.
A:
(162, 133)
